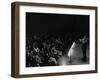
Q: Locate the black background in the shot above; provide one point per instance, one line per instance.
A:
(61, 24)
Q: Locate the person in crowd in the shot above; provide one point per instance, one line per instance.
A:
(52, 61)
(48, 52)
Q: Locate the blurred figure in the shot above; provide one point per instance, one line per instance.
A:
(52, 61)
(36, 49)
(75, 52)
(84, 41)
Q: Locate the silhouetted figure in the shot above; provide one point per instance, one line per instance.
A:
(84, 41)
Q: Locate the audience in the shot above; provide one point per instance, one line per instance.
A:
(46, 52)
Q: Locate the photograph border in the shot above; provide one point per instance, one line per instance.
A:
(15, 38)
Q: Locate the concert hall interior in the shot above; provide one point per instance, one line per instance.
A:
(49, 38)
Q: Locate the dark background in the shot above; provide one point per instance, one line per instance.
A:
(46, 25)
